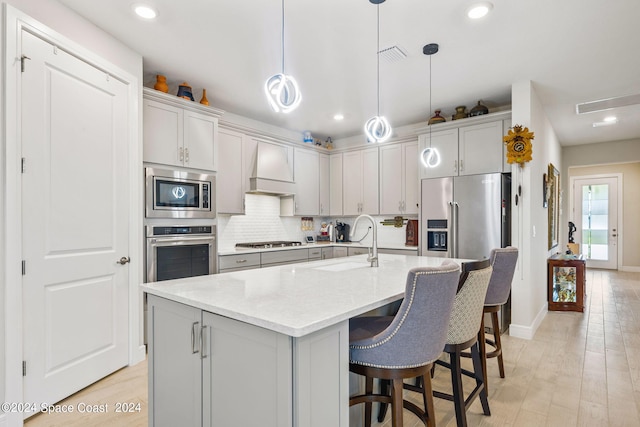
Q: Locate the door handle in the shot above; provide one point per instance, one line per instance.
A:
(123, 260)
(203, 334)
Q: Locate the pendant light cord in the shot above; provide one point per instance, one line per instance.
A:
(282, 36)
(378, 58)
(430, 106)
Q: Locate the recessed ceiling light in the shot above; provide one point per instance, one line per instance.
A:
(479, 10)
(607, 121)
(338, 117)
(144, 11)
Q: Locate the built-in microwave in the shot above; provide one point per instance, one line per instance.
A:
(179, 194)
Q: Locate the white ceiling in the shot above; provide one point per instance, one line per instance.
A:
(573, 50)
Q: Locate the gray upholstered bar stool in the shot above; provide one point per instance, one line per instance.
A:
(503, 261)
(405, 346)
(464, 325)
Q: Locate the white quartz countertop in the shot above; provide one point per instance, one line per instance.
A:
(297, 299)
(235, 251)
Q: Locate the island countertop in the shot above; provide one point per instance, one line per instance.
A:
(297, 299)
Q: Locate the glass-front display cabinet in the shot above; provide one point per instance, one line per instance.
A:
(566, 282)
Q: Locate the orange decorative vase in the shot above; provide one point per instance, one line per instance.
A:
(161, 84)
(204, 99)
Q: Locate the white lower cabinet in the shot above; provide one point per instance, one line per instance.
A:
(326, 253)
(210, 370)
(340, 251)
(357, 251)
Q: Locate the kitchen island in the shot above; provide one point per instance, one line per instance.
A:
(266, 347)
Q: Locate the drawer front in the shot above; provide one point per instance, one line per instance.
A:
(398, 251)
(316, 253)
(276, 257)
(239, 261)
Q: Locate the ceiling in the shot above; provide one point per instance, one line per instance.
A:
(572, 50)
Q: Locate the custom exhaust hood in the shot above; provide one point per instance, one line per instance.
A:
(273, 170)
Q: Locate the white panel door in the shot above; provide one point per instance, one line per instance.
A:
(75, 222)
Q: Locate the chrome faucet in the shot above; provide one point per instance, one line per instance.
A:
(373, 253)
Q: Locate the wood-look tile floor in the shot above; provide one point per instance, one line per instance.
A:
(581, 369)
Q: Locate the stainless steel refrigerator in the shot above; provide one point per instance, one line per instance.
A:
(466, 217)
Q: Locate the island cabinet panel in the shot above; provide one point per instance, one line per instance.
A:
(321, 367)
(246, 377)
(175, 371)
(206, 370)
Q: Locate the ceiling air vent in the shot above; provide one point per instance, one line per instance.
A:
(607, 104)
(392, 54)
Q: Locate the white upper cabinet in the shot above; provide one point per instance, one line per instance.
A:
(232, 176)
(179, 132)
(306, 175)
(325, 185)
(399, 179)
(480, 148)
(335, 184)
(360, 182)
(466, 148)
(446, 144)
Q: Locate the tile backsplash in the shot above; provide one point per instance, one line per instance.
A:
(262, 222)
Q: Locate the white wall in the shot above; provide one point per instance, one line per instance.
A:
(529, 229)
(69, 25)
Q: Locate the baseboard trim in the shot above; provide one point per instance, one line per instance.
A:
(630, 269)
(528, 332)
(138, 355)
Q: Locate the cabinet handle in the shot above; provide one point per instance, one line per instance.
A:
(194, 345)
(455, 166)
(181, 154)
(241, 261)
(461, 165)
(186, 155)
(202, 343)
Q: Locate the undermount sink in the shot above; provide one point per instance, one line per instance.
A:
(343, 266)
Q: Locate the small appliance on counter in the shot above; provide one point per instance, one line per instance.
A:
(342, 232)
(326, 233)
(412, 233)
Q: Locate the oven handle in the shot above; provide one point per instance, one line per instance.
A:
(174, 240)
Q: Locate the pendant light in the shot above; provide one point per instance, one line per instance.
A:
(377, 129)
(281, 89)
(430, 156)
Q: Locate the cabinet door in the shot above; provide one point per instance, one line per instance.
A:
(327, 253)
(480, 148)
(370, 189)
(200, 132)
(244, 366)
(175, 373)
(411, 181)
(446, 142)
(352, 182)
(340, 251)
(163, 133)
(391, 179)
(306, 175)
(325, 185)
(506, 125)
(335, 184)
(230, 191)
(357, 251)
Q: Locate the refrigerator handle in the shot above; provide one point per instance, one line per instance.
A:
(454, 229)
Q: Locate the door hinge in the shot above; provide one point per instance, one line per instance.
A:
(24, 267)
(22, 58)
(23, 165)
(24, 368)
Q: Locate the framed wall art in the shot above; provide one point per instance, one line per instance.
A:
(553, 203)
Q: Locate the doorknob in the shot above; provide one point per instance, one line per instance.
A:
(123, 260)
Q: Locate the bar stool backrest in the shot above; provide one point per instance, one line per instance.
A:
(503, 261)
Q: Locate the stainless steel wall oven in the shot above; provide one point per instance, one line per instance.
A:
(175, 252)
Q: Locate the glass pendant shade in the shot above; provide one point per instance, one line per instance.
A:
(377, 129)
(430, 157)
(283, 93)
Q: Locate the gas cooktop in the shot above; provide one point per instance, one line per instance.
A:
(271, 244)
